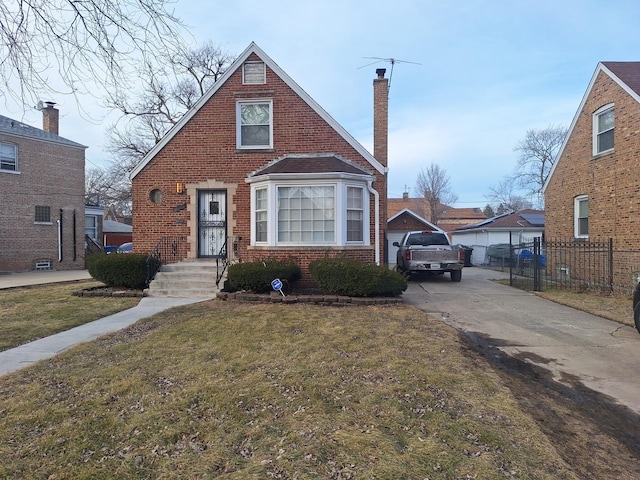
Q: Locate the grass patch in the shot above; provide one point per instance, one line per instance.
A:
(614, 307)
(30, 313)
(270, 391)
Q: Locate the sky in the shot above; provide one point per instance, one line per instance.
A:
(470, 77)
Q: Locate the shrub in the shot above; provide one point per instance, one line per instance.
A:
(119, 270)
(345, 276)
(257, 276)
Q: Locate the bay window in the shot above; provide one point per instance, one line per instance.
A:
(317, 213)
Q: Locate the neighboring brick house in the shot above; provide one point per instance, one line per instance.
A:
(41, 196)
(257, 169)
(593, 189)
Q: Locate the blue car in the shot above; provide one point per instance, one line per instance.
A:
(125, 248)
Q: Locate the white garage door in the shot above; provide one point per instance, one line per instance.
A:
(391, 250)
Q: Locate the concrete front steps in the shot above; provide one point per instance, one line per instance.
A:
(188, 279)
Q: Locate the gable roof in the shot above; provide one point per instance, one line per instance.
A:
(522, 219)
(395, 205)
(625, 74)
(304, 164)
(19, 129)
(406, 211)
(111, 226)
(254, 49)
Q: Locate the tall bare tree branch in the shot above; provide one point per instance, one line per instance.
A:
(434, 185)
(537, 155)
(68, 46)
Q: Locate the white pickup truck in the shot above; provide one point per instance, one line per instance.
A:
(429, 252)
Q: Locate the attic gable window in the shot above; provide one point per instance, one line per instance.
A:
(603, 128)
(254, 73)
(8, 157)
(254, 127)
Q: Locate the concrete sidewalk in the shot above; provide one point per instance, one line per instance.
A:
(24, 355)
(11, 280)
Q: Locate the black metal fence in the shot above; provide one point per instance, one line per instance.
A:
(541, 264)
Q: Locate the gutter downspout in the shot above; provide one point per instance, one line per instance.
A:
(377, 221)
(59, 240)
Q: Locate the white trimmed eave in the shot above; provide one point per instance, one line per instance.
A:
(305, 177)
(417, 217)
(71, 143)
(253, 48)
(615, 78)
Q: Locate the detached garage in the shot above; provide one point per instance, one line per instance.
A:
(404, 221)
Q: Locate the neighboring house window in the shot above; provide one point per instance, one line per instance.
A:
(355, 214)
(261, 215)
(603, 128)
(306, 214)
(8, 157)
(43, 214)
(581, 215)
(254, 73)
(91, 226)
(254, 124)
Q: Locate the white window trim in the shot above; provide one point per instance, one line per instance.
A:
(596, 132)
(253, 101)
(340, 213)
(576, 216)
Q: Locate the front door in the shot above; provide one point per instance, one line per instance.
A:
(212, 223)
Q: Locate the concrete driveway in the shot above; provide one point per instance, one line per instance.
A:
(603, 355)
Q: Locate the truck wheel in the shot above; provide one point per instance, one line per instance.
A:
(456, 275)
(636, 316)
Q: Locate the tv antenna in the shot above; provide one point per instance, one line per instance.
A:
(392, 61)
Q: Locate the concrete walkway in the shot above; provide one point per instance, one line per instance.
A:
(24, 355)
(11, 280)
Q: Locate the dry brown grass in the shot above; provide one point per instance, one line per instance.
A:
(271, 391)
(29, 313)
(617, 308)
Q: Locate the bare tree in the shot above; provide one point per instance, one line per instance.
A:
(108, 188)
(166, 94)
(504, 198)
(169, 89)
(434, 185)
(68, 45)
(537, 155)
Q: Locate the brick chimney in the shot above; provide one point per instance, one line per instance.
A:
(380, 116)
(50, 116)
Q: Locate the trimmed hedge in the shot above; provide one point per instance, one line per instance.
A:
(257, 276)
(346, 276)
(119, 270)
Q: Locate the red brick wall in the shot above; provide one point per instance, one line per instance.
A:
(51, 175)
(205, 151)
(611, 181)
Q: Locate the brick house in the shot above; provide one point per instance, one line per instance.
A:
(257, 169)
(593, 189)
(41, 196)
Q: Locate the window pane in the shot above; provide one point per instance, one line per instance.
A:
(583, 226)
(311, 211)
(7, 157)
(605, 121)
(583, 208)
(255, 135)
(43, 213)
(605, 141)
(354, 226)
(255, 114)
